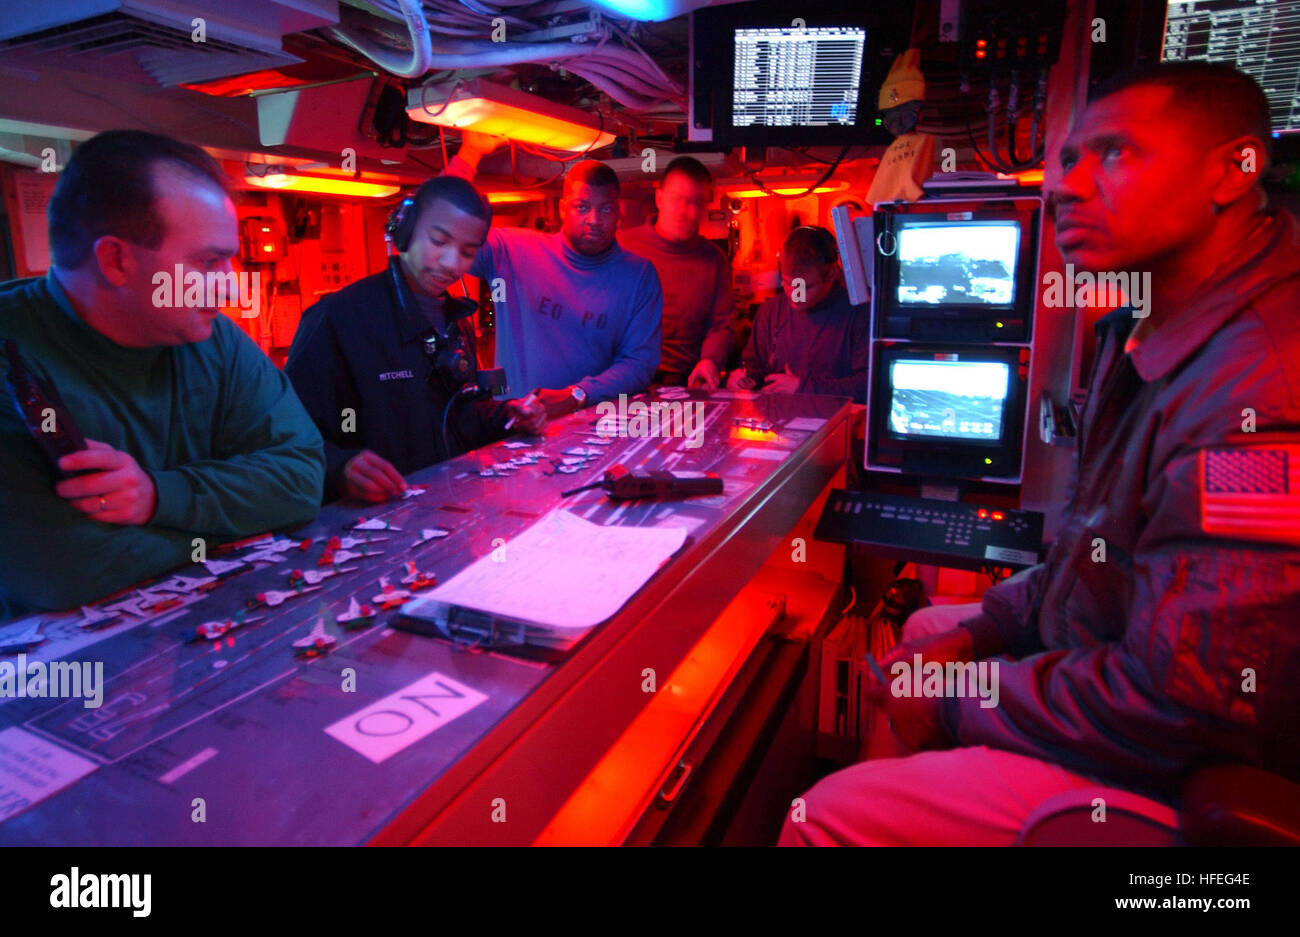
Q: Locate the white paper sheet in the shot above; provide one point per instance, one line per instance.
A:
(32, 769)
(805, 423)
(563, 573)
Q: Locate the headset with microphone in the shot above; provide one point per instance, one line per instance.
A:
(824, 245)
(825, 249)
(401, 225)
(446, 347)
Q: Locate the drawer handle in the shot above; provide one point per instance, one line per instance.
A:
(684, 769)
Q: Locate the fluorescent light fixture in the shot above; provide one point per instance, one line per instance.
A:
(322, 182)
(504, 112)
(789, 190)
(650, 11)
(1027, 177)
(507, 198)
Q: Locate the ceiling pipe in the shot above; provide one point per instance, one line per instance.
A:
(412, 65)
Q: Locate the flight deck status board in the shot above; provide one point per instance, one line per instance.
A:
(1259, 37)
(263, 696)
(797, 76)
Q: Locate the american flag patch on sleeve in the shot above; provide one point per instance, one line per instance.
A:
(1252, 493)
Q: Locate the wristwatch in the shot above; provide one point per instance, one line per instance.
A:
(579, 396)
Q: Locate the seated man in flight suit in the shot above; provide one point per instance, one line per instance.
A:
(1159, 635)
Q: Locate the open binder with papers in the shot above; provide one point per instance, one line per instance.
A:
(548, 586)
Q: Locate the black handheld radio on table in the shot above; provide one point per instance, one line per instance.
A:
(623, 484)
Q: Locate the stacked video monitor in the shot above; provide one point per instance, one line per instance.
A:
(952, 311)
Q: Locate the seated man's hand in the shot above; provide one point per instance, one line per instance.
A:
(739, 380)
(369, 477)
(785, 383)
(529, 418)
(116, 490)
(705, 374)
(914, 719)
(954, 645)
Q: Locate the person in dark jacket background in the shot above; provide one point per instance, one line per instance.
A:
(1160, 634)
(808, 339)
(365, 360)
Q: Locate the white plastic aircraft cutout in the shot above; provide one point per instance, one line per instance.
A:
(317, 641)
(357, 612)
(23, 640)
(274, 598)
(373, 523)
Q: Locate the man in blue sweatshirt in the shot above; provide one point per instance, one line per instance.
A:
(578, 317)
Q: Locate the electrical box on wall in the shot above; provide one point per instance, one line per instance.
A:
(261, 240)
(337, 271)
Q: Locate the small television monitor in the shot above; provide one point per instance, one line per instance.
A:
(957, 275)
(951, 411)
(958, 264)
(761, 77)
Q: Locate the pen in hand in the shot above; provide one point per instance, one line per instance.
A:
(526, 402)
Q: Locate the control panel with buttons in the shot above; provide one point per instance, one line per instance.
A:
(924, 530)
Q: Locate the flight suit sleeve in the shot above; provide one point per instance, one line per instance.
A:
(1206, 669)
(1007, 622)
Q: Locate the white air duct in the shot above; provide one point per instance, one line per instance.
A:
(407, 66)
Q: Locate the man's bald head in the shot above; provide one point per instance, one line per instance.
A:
(1162, 173)
(1215, 102)
(590, 172)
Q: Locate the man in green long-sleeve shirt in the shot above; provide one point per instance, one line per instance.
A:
(192, 433)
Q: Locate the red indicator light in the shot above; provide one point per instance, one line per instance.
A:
(980, 43)
(983, 514)
(979, 53)
(997, 515)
